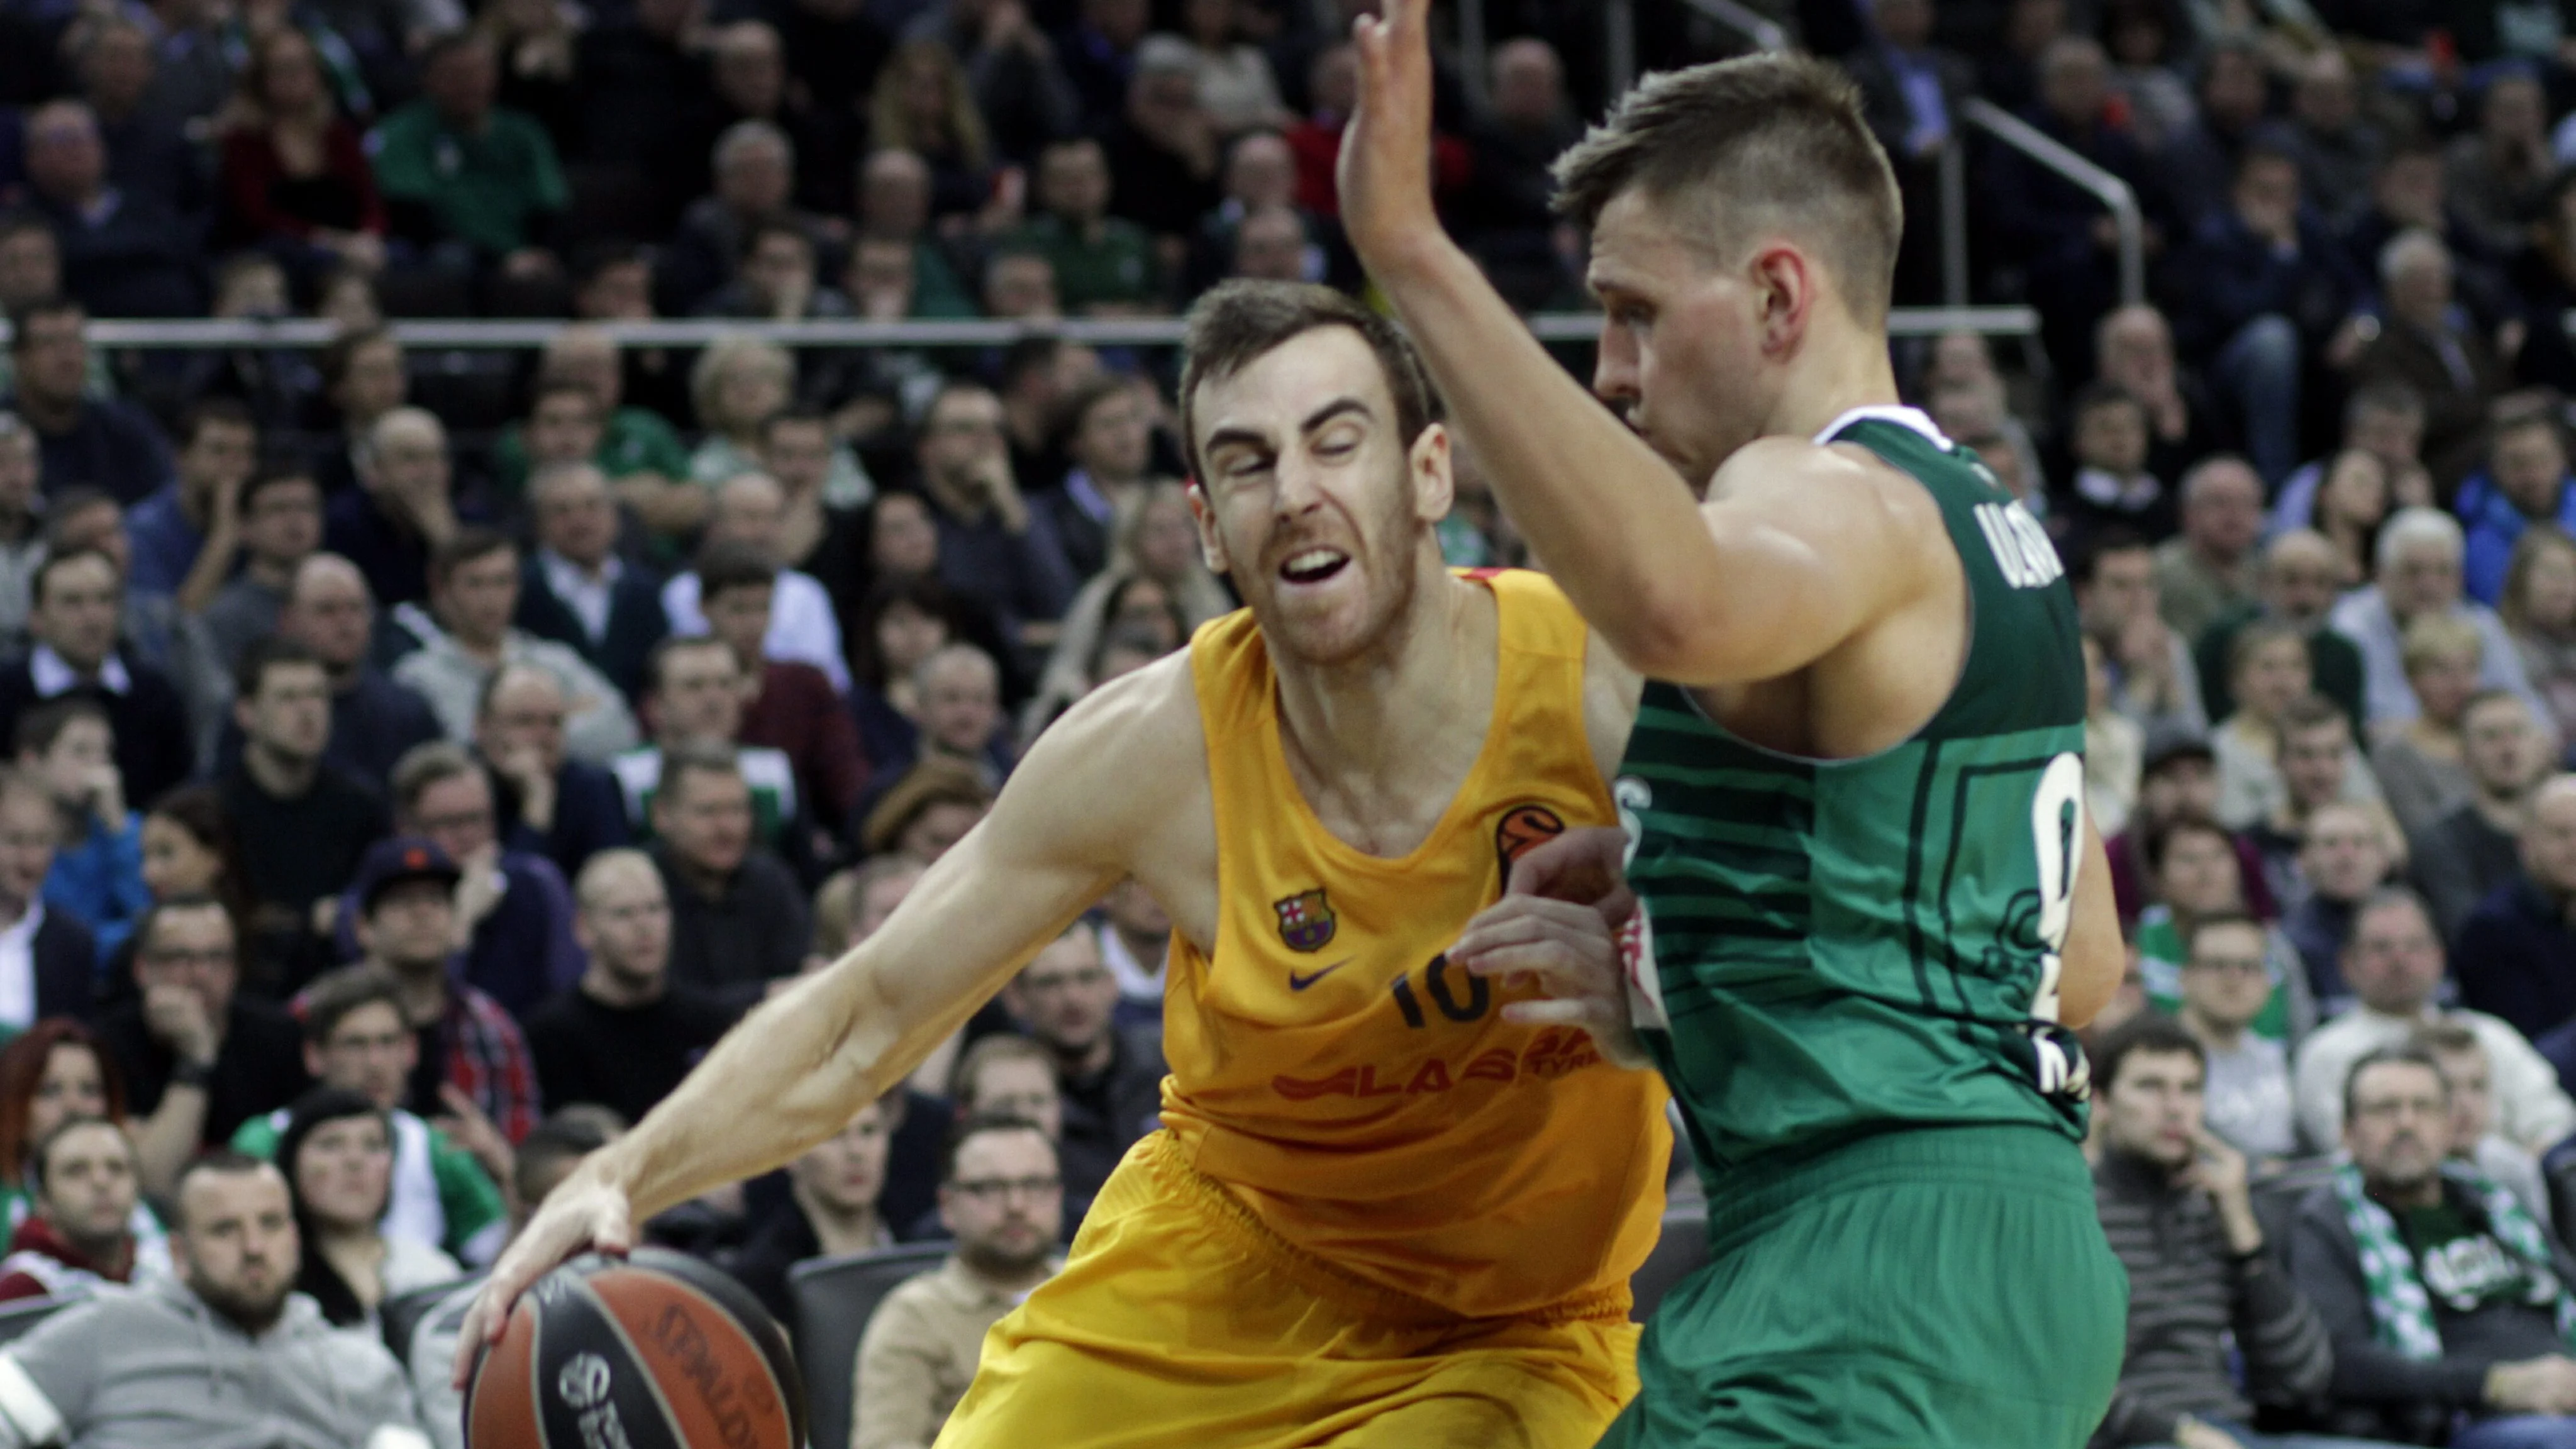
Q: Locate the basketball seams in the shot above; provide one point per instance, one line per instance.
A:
(634, 1355)
(744, 1313)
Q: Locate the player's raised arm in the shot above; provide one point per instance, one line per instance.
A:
(1105, 785)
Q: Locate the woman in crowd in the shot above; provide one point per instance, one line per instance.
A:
(51, 1073)
(1237, 88)
(737, 385)
(2539, 610)
(2351, 504)
(295, 177)
(2418, 761)
(188, 850)
(338, 1156)
(1156, 578)
(905, 619)
(364, 377)
(2267, 672)
(923, 104)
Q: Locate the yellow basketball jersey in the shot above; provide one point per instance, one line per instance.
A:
(1363, 1098)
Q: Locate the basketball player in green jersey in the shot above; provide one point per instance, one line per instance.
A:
(1853, 795)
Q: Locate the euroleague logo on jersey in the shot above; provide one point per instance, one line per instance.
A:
(1522, 829)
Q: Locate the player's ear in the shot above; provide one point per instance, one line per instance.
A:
(1785, 282)
(1428, 462)
(1211, 543)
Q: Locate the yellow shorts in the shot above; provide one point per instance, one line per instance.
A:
(1180, 1320)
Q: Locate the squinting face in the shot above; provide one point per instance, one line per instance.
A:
(1669, 322)
(1311, 500)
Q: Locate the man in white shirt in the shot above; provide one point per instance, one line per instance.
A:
(2394, 962)
(473, 594)
(751, 508)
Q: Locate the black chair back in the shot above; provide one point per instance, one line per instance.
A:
(835, 1298)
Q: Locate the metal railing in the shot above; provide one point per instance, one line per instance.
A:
(1620, 36)
(2049, 152)
(201, 335)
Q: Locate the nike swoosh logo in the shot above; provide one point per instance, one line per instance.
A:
(1299, 981)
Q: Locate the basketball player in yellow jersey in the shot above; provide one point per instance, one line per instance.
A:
(1378, 1213)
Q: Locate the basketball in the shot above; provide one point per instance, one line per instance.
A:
(655, 1351)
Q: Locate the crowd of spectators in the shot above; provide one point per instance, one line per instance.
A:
(418, 758)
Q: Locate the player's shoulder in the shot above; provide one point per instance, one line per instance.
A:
(1836, 492)
(1143, 712)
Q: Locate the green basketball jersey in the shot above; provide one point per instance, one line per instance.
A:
(1834, 947)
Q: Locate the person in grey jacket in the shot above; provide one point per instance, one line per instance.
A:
(226, 1357)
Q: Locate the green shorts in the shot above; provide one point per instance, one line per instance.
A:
(1912, 1290)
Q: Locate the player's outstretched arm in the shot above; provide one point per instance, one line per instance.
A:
(2094, 958)
(1762, 582)
(1099, 787)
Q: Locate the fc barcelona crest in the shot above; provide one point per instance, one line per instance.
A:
(1306, 920)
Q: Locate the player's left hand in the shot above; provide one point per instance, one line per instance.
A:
(1568, 949)
(1384, 173)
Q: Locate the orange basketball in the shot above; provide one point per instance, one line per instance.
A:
(657, 1351)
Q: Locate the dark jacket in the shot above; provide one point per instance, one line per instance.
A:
(153, 748)
(2516, 958)
(2458, 862)
(260, 1069)
(590, 816)
(733, 944)
(66, 960)
(2228, 276)
(112, 446)
(2188, 1294)
(635, 623)
(1107, 1111)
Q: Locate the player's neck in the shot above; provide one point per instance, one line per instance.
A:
(1365, 737)
(1840, 368)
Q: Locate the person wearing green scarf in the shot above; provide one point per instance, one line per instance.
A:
(2449, 1308)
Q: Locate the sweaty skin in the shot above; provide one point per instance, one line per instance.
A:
(1119, 788)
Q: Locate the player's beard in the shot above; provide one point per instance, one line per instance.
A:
(1385, 553)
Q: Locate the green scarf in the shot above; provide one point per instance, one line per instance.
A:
(2401, 1311)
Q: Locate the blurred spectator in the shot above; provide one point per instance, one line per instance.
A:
(280, 527)
(2210, 569)
(795, 710)
(2356, 495)
(694, 695)
(988, 552)
(775, 280)
(1910, 92)
(50, 1074)
(2436, 1289)
(1001, 1198)
(74, 627)
(535, 43)
(2110, 487)
(738, 384)
(83, 441)
(87, 1187)
(2344, 854)
(1270, 246)
(2524, 482)
(2427, 345)
(2298, 579)
(374, 720)
(2133, 350)
(1163, 153)
(299, 818)
(2538, 610)
(189, 850)
(2226, 982)
(921, 104)
(2384, 420)
(749, 68)
(960, 694)
(1261, 176)
(2319, 766)
(1101, 53)
(624, 1034)
(2395, 964)
(31, 271)
(473, 1064)
(2201, 159)
(2496, 177)
(1103, 264)
(2472, 850)
(901, 622)
(2418, 561)
(2270, 674)
(2261, 281)
(833, 51)
(2152, 679)
(403, 509)
(929, 808)
(894, 206)
(124, 254)
(474, 592)
(48, 965)
(337, 1152)
(831, 1208)
(2417, 761)
(816, 533)
(755, 167)
(97, 873)
(198, 1058)
(1038, 376)
(185, 534)
(1110, 1079)
(803, 627)
(2454, 1048)
(1135, 936)
(575, 590)
(2114, 750)
(2178, 777)
(163, 638)
(2215, 1323)
(2338, 148)
(1235, 85)
(355, 1040)
(2516, 946)
(137, 1367)
(476, 176)
(148, 151)
(2192, 865)
(1107, 435)
(738, 918)
(296, 178)
(551, 804)
(2544, 287)
(514, 914)
(22, 541)
(637, 448)
(647, 99)
(363, 378)
(1156, 583)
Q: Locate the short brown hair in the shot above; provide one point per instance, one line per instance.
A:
(1241, 320)
(932, 782)
(1003, 1046)
(1758, 140)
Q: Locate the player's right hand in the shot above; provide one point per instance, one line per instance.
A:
(580, 1216)
(1570, 951)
